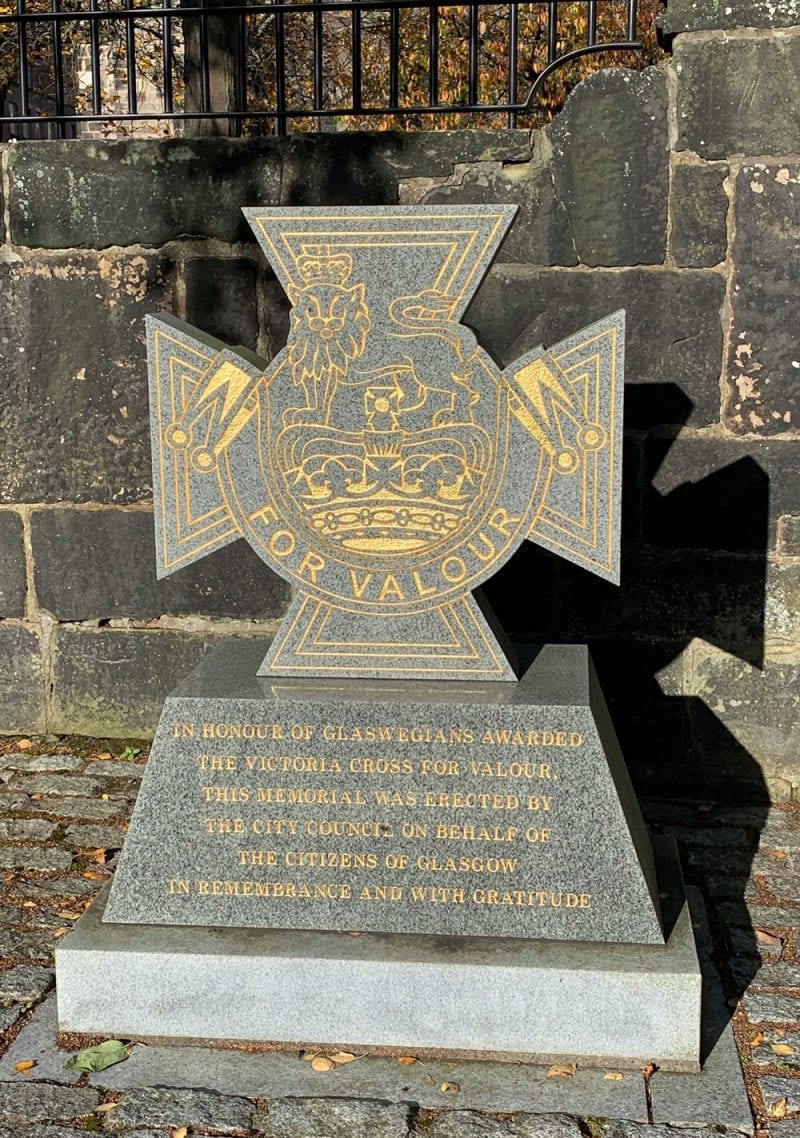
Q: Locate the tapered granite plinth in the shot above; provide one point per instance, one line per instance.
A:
(469, 809)
(541, 1001)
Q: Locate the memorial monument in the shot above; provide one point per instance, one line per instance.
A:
(390, 768)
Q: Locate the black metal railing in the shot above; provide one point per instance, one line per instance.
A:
(71, 67)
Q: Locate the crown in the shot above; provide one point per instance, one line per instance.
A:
(316, 264)
(388, 524)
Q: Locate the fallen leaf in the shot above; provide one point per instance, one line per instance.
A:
(406, 1060)
(705, 807)
(649, 1070)
(342, 1057)
(59, 932)
(782, 1049)
(758, 1037)
(94, 876)
(449, 1088)
(322, 1063)
(104, 797)
(561, 1071)
(105, 1107)
(97, 1058)
(98, 855)
(179, 1132)
(24, 1065)
(68, 915)
(104, 756)
(768, 938)
(307, 1056)
(778, 1109)
(24, 745)
(613, 1076)
(30, 904)
(778, 855)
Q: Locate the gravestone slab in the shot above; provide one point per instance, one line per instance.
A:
(470, 809)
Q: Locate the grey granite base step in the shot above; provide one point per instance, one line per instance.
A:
(620, 1005)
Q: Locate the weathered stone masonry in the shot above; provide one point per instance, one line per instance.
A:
(674, 194)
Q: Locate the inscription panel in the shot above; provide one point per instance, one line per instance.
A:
(481, 818)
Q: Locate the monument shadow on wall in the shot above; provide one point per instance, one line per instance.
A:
(694, 565)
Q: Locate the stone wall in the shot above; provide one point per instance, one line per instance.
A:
(674, 193)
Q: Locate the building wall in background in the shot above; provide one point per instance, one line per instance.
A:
(673, 193)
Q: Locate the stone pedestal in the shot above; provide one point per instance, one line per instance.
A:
(482, 839)
(541, 1001)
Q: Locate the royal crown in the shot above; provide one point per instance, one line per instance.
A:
(316, 264)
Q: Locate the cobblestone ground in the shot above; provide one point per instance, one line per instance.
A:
(63, 817)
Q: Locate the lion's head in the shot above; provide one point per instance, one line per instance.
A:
(328, 329)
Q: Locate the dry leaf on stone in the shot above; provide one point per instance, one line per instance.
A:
(449, 1088)
(68, 915)
(758, 1037)
(406, 1060)
(782, 1049)
(59, 932)
(768, 938)
(342, 1057)
(94, 876)
(778, 855)
(179, 1132)
(104, 756)
(104, 797)
(24, 1066)
(613, 1076)
(307, 1056)
(105, 1107)
(561, 1071)
(322, 1063)
(98, 855)
(24, 745)
(778, 1109)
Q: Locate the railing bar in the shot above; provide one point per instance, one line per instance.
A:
(130, 58)
(241, 63)
(591, 22)
(167, 57)
(58, 63)
(280, 72)
(632, 14)
(205, 78)
(552, 30)
(394, 56)
(95, 15)
(318, 81)
(473, 52)
(513, 51)
(22, 50)
(433, 55)
(356, 58)
(94, 49)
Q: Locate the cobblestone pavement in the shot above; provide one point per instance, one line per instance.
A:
(62, 822)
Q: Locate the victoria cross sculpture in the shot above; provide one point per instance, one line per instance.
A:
(382, 462)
